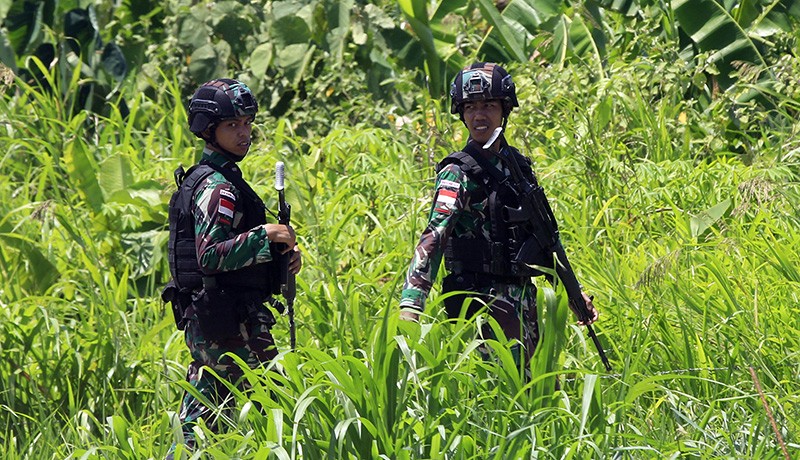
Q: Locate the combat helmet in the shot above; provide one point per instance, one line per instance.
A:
(217, 100)
(483, 81)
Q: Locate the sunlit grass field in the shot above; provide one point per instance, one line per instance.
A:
(688, 245)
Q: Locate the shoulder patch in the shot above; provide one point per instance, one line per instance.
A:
(227, 202)
(445, 201)
(449, 184)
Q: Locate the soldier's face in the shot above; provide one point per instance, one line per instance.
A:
(233, 134)
(482, 118)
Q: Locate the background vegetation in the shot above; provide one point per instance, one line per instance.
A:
(665, 134)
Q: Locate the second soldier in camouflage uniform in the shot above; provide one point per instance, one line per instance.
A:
(225, 259)
(466, 225)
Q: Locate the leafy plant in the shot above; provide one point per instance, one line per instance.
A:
(70, 40)
(688, 248)
(735, 35)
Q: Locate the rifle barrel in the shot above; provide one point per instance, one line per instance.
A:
(287, 280)
(575, 296)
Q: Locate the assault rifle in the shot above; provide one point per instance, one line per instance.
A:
(287, 280)
(535, 210)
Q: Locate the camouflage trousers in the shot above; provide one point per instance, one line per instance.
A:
(254, 345)
(512, 305)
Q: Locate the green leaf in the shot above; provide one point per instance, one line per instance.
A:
(260, 59)
(114, 62)
(417, 15)
(703, 221)
(294, 60)
(792, 7)
(7, 56)
(5, 5)
(24, 25)
(119, 426)
(625, 7)
(115, 174)
(560, 43)
(41, 272)
(232, 22)
(194, 33)
(80, 25)
(359, 35)
(713, 29)
(588, 42)
(509, 37)
(339, 20)
(530, 15)
(290, 30)
(604, 112)
(203, 63)
(83, 169)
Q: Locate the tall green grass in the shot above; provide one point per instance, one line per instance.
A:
(688, 249)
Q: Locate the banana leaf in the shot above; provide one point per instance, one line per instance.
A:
(713, 29)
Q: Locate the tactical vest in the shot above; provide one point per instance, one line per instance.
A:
(493, 258)
(182, 252)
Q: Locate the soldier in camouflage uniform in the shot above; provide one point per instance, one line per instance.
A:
(466, 226)
(224, 263)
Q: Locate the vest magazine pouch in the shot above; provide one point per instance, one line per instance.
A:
(531, 253)
(179, 299)
(217, 313)
(187, 273)
(454, 303)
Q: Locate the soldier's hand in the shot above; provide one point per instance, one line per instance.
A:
(295, 261)
(279, 233)
(594, 314)
(409, 324)
(409, 315)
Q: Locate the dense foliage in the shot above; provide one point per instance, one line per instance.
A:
(672, 166)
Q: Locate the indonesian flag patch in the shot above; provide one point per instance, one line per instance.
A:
(445, 200)
(226, 204)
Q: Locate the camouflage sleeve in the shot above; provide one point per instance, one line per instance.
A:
(217, 210)
(450, 199)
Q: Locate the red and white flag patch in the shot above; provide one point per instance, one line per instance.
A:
(445, 200)
(226, 205)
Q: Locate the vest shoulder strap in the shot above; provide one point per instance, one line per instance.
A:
(200, 171)
(474, 164)
(237, 181)
(474, 169)
(187, 183)
(464, 160)
(193, 176)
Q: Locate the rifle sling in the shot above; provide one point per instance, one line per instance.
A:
(235, 177)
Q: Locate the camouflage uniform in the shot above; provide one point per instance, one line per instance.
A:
(457, 213)
(222, 246)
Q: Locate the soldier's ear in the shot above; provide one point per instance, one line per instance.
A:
(208, 133)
